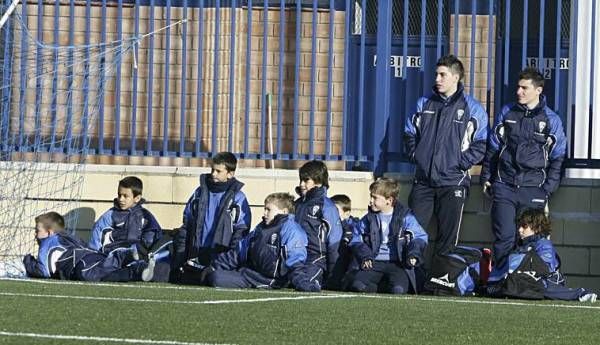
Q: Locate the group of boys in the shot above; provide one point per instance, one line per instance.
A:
(312, 243)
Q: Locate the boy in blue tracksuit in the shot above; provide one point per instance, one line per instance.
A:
(62, 256)
(444, 137)
(270, 257)
(534, 230)
(338, 279)
(215, 218)
(319, 217)
(388, 243)
(522, 166)
(127, 223)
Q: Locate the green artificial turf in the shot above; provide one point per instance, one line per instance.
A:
(162, 312)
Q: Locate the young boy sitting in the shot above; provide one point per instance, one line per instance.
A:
(270, 256)
(215, 218)
(318, 216)
(62, 256)
(337, 280)
(388, 243)
(534, 231)
(127, 223)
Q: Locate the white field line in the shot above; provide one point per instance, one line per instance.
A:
(158, 286)
(166, 301)
(102, 339)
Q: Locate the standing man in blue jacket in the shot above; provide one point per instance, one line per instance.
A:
(444, 137)
(522, 165)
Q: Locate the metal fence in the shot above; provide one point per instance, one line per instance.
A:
(289, 80)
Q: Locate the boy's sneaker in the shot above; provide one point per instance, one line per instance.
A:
(148, 272)
(588, 297)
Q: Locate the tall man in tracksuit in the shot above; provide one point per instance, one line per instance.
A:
(522, 165)
(444, 137)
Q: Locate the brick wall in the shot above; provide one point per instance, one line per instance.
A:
(156, 88)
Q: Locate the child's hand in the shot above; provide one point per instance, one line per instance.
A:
(367, 265)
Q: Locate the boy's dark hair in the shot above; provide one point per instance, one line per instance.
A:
(133, 183)
(227, 159)
(343, 201)
(316, 171)
(453, 63)
(386, 187)
(533, 74)
(51, 221)
(536, 219)
(282, 200)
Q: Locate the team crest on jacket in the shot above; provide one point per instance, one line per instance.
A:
(273, 239)
(315, 210)
(541, 126)
(459, 114)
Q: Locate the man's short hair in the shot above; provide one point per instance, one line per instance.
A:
(281, 200)
(51, 221)
(133, 183)
(227, 159)
(536, 219)
(386, 187)
(454, 64)
(316, 171)
(343, 201)
(533, 74)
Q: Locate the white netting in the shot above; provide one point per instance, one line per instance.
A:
(51, 96)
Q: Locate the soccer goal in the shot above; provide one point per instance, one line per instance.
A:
(51, 95)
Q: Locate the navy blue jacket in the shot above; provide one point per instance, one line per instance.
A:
(121, 228)
(319, 217)
(526, 147)
(216, 215)
(58, 254)
(445, 137)
(407, 238)
(277, 251)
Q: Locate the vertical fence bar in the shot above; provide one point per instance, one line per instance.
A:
(248, 68)
(361, 77)
(117, 144)
(506, 40)
(296, 76)
(9, 47)
(422, 45)
(86, 78)
(233, 33)
(438, 50)
(69, 122)
(329, 83)
(382, 88)
(150, 83)
(281, 72)
(183, 98)
(102, 62)
(488, 103)
(557, 54)
(541, 37)
(134, 79)
(23, 83)
(525, 25)
(54, 100)
(348, 9)
(456, 22)
(199, 98)
(215, 119)
(405, 40)
(263, 99)
(313, 76)
(473, 53)
(38, 72)
(166, 97)
(590, 134)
